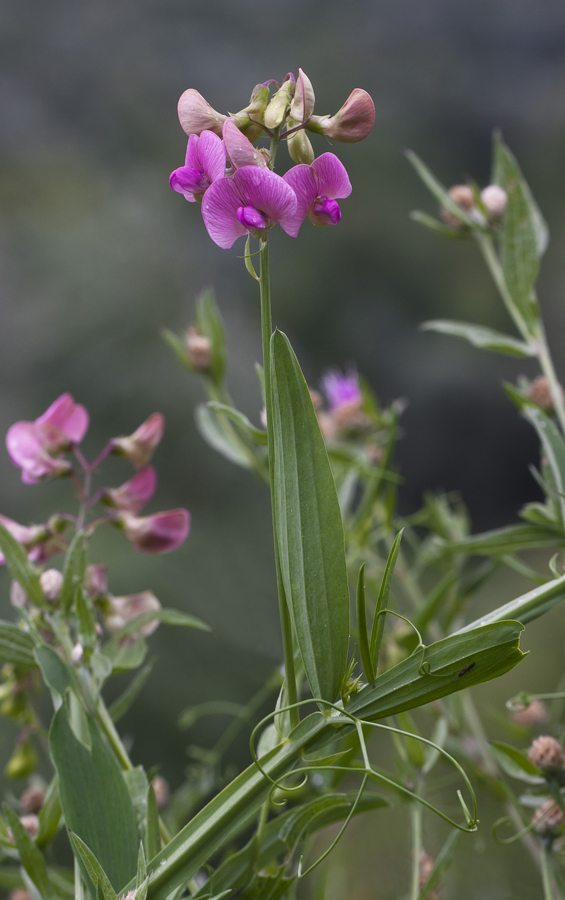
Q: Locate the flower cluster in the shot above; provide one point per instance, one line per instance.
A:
(234, 180)
(41, 449)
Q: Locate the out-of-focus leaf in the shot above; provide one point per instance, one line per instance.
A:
(422, 218)
(152, 834)
(178, 346)
(30, 855)
(92, 867)
(73, 571)
(86, 621)
(457, 662)
(121, 705)
(125, 656)
(440, 193)
(441, 865)
(553, 448)
(57, 674)
(516, 764)
(439, 737)
(480, 336)
(500, 541)
(525, 608)
(505, 170)
(209, 323)
(21, 569)
(268, 887)
(309, 528)
(220, 438)
(95, 800)
(16, 646)
(166, 616)
(362, 631)
(49, 815)
(241, 421)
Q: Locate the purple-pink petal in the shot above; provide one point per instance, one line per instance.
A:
(267, 192)
(325, 212)
(240, 150)
(331, 177)
(341, 390)
(219, 211)
(212, 155)
(249, 217)
(302, 181)
(64, 422)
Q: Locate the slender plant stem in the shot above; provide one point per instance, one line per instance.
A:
(548, 370)
(286, 624)
(546, 874)
(493, 263)
(416, 813)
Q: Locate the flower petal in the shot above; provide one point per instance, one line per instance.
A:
(23, 444)
(192, 160)
(212, 155)
(302, 181)
(219, 211)
(64, 416)
(331, 176)
(240, 150)
(268, 193)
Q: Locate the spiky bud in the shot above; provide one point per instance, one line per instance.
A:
(549, 819)
(546, 754)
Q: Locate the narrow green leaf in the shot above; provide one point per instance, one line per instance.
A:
(500, 541)
(225, 441)
(125, 657)
(362, 631)
(166, 616)
(16, 646)
(152, 834)
(442, 864)
(309, 528)
(378, 628)
(121, 705)
(210, 324)
(553, 448)
(516, 764)
(439, 192)
(176, 344)
(480, 336)
(73, 571)
(525, 608)
(506, 169)
(49, 815)
(57, 674)
(422, 218)
(86, 621)
(141, 868)
(21, 569)
(30, 855)
(95, 800)
(93, 868)
(241, 421)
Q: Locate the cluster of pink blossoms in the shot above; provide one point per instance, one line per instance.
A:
(40, 450)
(233, 179)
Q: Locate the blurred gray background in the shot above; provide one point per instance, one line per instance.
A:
(97, 254)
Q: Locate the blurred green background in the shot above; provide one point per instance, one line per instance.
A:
(97, 254)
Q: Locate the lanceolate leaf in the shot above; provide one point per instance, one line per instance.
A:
(479, 336)
(501, 541)
(526, 608)
(240, 420)
(309, 528)
(210, 324)
(516, 764)
(220, 435)
(30, 855)
(16, 646)
(505, 169)
(95, 800)
(553, 448)
(378, 628)
(21, 569)
(93, 868)
(167, 616)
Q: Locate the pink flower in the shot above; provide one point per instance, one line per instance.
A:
(30, 444)
(316, 188)
(240, 150)
(342, 390)
(251, 201)
(96, 580)
(29, 536)
(196, 115)
(351, 123)
(158, 533)
(123, 609)
(134, 494)
(205, 162)
(139, 446)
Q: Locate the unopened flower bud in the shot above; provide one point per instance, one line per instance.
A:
(134, 494)
(534, 714)
(547, 754)
(463, 196)
(19, 894)
(540, 394)
(96, 581)
(302, 105)
(199, 349)
(77, 654)
(494, 199)
(277, 109)
(32, 800)
(196, 115)
(139, 446)
(31, 825)
(162, 791)
(18, 596)
(122, 610)
(254, 112)
(51, 582)
(158, 533)
(426, 868)
(352, 123)
(549, 819)
(22, 762)
(300, 148)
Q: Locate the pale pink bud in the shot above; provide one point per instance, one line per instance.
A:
(96, 581)
(18, 596)
(77, 654)
(199, 349)
(302, 105)
(123, 609)
(19, 894)
(31, 825)
(32, 800)
(134, 494)
(162, 791)
(351, 123)
(494, 199)
(535, 713)
(158, 533)
(196, 115)
(51, 582)
(29, 536)
(239, 149)
(139, 446)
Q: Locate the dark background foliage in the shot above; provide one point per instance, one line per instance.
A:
(97, 254)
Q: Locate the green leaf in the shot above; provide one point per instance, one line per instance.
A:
(177, 344)
(21, 569)
(137, 785)
(49, 815)
(126, 656)
(152, 834)
(442, 864)
(57, 674)
(363, 635)
(30, 855)
(456, 662)
(553, 449)
(86, 621)
(167, 616)
(422, 218)
(121, 705)
(516, 764)
(219, 437)
(440, 193)
(93, 868)
(95, 800)
(16, 646)
(506, 169)
(73, 571)
(141, 868)
(241, 421)
(500, 541)
(525, 608)
(309, 528)
(480, 336)
(209, 323)
(378, 628)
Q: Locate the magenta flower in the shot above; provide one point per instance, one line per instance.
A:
(30, 444)
(132, 496)
(139, 446)
(249, 202)
(240, 150)
(29, 536)
(205, 162)
(342, 390)
(316, 188)
(158, 533)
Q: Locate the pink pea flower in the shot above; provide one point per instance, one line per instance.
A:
(29, 536)
(138, 447)
(122, 610)
(196, 115)
(96, 580)
(132, 496)
(205, 162)
(158, 533)
(316, 188)
(251, 201)
(240, 150)
(30, 444)
(342, 390)
(352, 123)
